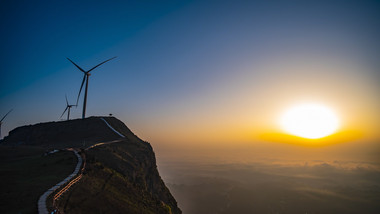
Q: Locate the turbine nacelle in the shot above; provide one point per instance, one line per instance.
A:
(85, 79)
(68, 107)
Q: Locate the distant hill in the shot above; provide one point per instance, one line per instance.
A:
(121, 177)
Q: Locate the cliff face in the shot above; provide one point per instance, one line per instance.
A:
(119, 177)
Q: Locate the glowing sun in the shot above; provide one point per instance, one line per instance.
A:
(310, 121)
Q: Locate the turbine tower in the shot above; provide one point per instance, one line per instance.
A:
(68, 107)
(85, 79)
(1, 121)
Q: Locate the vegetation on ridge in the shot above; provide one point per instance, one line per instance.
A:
(26, 174)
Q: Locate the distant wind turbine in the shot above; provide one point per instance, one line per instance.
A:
(1, 121)
(68, 107)
(85, 79)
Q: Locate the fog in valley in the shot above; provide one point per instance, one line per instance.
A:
(209, 184)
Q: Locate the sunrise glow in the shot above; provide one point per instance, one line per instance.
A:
(311, 121)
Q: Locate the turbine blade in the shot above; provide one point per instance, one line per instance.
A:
(6, 115)
(64, 112)
(81, 86)
(67, 102)
(76, 65)
(101, 64)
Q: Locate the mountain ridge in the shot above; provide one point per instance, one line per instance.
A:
(121, 177)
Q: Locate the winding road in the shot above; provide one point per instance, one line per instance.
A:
(42, 208)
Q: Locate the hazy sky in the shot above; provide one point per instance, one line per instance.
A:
(192, 71)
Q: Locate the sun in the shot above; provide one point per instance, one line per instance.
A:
(309, 120)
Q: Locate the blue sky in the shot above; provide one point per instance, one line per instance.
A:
(179, 61)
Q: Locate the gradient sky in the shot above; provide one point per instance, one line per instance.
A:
(192, 72)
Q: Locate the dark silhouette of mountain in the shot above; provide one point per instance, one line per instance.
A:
(119, 177)
(73, 133)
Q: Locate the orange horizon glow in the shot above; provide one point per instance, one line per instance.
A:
(234, 111)
(336, 138)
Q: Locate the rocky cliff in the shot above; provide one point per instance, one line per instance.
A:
(119, 177)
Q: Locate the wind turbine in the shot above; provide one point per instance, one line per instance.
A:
(85, 79)
(1, 121)
(68, 107)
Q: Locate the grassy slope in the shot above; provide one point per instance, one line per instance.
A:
(114, 183)
(26, 174)
(104, 190)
